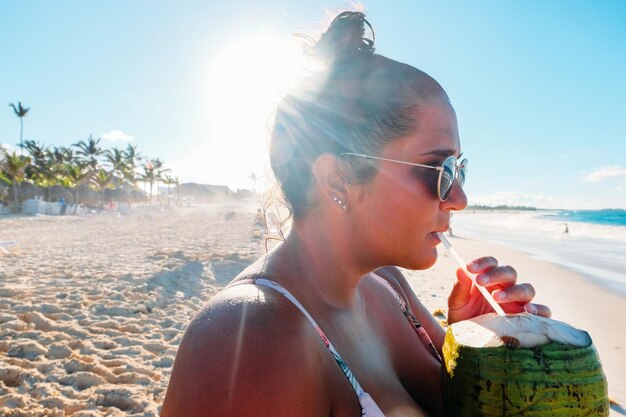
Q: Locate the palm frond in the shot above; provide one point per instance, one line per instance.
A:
(19, 110)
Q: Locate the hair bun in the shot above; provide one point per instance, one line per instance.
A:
(345, 38)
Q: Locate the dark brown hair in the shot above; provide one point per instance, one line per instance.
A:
(360, 102)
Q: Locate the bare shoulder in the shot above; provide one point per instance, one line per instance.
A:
(246, 351)
(395, 277)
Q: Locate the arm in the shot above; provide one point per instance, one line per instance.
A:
(244, 356)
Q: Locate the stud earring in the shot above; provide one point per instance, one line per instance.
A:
(341, 203)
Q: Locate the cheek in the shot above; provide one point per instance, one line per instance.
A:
(406, 204)
(412, 188)
(428, 183)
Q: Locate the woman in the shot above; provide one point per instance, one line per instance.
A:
(366, 152)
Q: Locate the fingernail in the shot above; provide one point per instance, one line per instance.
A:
(483, 279)
(531, 308)
(500, 296)
(471, 267)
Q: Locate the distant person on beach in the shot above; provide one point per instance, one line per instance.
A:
(367, 154)
(566, 231)
(63, 205)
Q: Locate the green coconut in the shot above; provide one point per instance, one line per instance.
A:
(521, 365)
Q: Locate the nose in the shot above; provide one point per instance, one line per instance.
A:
(457, 200)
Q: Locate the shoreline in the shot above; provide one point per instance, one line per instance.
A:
(594, 251)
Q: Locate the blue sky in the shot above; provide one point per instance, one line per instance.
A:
(539, 87)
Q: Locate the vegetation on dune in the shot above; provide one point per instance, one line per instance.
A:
(80, 171)
(13, 167)
(500, 207)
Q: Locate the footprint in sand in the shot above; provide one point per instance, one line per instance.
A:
(82, 380)
(58, 351)
(27, 350)
(10, 375)
(37, 320)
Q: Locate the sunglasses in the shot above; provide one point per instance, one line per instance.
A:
(449, 171)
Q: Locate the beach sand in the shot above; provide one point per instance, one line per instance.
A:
(93, 307)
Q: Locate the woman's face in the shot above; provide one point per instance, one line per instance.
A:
(400, 212)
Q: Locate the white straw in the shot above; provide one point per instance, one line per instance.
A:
(462, 264)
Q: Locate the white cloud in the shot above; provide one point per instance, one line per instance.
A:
(603, 173)
(117, 136)
(8, 147)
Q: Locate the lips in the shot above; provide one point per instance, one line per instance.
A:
(436, 236)
(442, 230)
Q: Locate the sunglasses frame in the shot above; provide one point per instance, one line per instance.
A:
(440, 168)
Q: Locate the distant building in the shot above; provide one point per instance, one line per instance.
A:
(243, 194)
(203, 192)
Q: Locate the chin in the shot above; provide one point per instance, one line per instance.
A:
(422, 261)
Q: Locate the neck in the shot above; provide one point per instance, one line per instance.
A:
(318, 261)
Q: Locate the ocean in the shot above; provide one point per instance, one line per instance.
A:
(613, 217)
(589, 242)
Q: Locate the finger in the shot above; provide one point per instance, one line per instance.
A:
(538, 310)
(513, 308)
(519, 293)
(482, 264)
(461, 291)
(499, 275)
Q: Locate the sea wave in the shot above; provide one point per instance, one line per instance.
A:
(548, 225)
(594, 250)
(611, 217)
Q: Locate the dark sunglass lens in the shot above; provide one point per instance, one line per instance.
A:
(463, 172)
(447, 178)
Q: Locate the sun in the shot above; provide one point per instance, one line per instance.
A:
(246, 81)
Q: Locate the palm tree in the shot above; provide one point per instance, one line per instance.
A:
(75, 176)
(43, 170)
(100, 181)
(148, 176)
(62, 155)
(90, 151)
(20, 112)
(158, 173)
(3, 177)
(169, 180)
(117, 161)
(36, 150)
(177, 182)
(132, 157)
(13, 168)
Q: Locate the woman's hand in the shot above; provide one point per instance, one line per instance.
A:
(466, 301)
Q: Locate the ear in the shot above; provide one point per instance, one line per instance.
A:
(330, 183)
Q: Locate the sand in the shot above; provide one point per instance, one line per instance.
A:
(93, 307)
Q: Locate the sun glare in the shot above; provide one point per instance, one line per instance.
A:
(245, 83)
